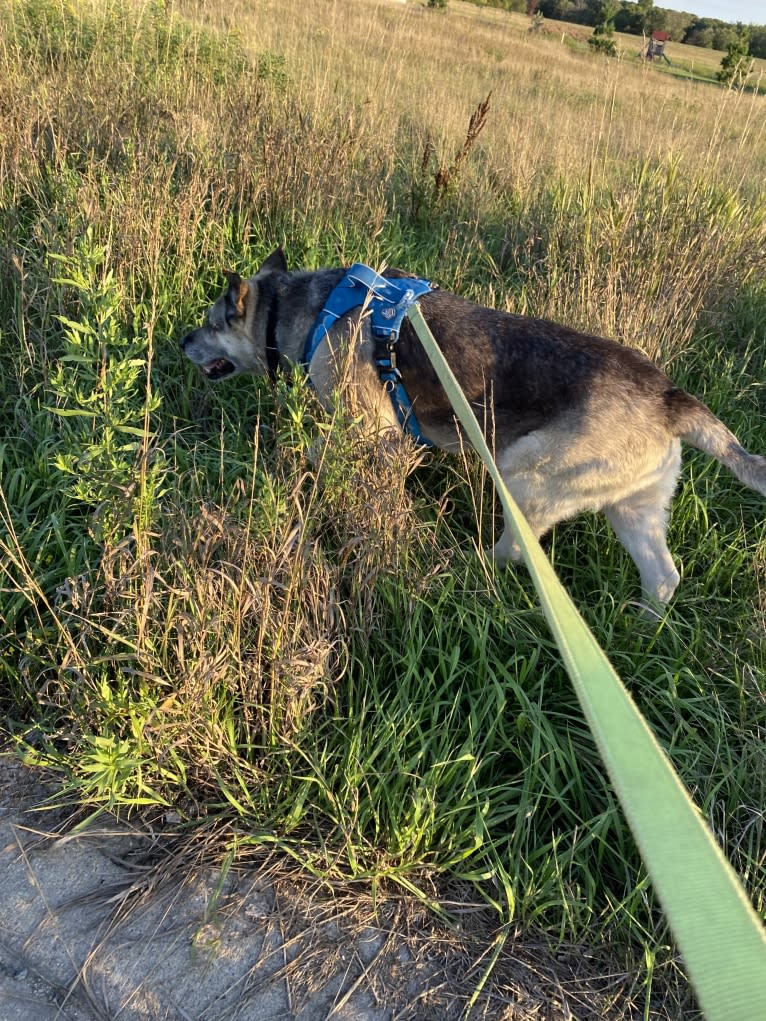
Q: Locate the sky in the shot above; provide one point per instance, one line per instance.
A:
(748, 11)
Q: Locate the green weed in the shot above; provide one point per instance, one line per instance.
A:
(196, 614)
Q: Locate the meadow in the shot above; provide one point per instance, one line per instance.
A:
(197, 624)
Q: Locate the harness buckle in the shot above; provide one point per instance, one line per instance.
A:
(385, 357)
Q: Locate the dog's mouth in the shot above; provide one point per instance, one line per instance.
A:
(218, 368)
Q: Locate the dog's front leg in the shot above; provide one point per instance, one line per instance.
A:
(534, 502)
(343, 368)
(506, 549)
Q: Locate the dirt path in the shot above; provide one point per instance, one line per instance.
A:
(119, 922)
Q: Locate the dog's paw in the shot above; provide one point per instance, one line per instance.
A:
(657, 589)
(505, 551)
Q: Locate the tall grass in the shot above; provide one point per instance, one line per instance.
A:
(193, 614)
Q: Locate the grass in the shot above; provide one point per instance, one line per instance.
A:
(195, 617)
(693, 63)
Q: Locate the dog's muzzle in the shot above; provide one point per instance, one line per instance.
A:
(219, 368)
(215, 369)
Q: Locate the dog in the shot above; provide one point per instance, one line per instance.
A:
(578, 422)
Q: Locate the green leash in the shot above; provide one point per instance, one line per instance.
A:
(721, 937)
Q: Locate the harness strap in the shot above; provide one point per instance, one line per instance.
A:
(387, 301)
(272, 318)
(359, 283)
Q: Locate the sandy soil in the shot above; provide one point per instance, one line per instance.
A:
(111, 920)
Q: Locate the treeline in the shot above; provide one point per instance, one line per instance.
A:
(643, 17)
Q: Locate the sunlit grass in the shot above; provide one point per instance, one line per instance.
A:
(194, 614)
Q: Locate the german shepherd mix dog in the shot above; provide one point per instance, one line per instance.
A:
(579, 423)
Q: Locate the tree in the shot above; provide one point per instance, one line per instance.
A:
(758, 41)
(674, 22)
(645, 13)
(737, 65)
(566, 10)
(602, 39)
(724, 36)
(699, 36)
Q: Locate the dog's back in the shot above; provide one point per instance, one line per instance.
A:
(521, 374)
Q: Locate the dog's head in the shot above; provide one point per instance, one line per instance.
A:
(229, 342)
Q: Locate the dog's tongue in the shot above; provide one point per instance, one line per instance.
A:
(218, 368)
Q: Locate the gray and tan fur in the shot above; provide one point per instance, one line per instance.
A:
(579, 423)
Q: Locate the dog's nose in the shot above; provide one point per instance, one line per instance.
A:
(185, 340)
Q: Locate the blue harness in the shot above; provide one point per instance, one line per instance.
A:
(387, 302)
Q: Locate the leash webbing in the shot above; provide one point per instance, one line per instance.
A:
(720, 936)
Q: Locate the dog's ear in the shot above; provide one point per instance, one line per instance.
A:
(238, 291)
(276, 262)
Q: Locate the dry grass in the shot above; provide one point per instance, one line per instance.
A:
(192, 613)
(556, 112)
(578, 153)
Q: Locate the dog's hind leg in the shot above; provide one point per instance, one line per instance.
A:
(640, 522)
(642, 531)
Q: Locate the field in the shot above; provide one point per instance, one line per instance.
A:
(698, 63)
(196, 624)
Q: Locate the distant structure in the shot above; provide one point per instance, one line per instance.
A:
(655, 48)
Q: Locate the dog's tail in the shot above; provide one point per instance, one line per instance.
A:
(697, 425)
